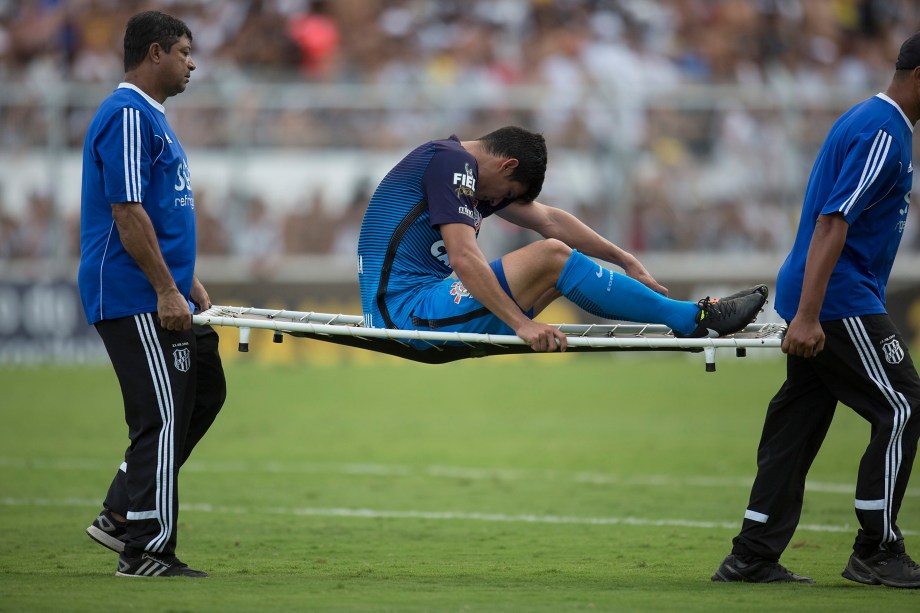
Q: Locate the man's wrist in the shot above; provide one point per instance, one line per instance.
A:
(167, 292)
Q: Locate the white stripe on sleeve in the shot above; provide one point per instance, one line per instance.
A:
(874, 164)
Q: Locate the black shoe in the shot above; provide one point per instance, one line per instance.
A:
(106, 531)
(757, 289)
(149, 565)
(735, 570)
(891, 568)
(722, 316)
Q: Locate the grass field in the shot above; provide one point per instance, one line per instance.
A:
(544, 483)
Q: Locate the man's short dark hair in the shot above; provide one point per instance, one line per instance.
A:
(528, 148)
(150, 27)
(909, 55)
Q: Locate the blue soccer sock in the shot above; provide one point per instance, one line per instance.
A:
(611, 295)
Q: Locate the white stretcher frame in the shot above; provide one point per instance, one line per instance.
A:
(350, 330)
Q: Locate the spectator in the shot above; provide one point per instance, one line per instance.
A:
(9, 230)
(258, 238)
(600, 72)
(37, 234)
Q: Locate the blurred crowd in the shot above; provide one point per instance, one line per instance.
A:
(702, 116)
(478, 43)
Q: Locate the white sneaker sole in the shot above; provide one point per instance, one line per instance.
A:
(105, 539)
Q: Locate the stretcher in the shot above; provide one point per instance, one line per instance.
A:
(440, 347)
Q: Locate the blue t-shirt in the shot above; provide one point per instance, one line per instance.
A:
(400, 248)
(864, 172)
(132, 155)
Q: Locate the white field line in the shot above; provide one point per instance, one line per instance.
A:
(430, 515)
(436, 472)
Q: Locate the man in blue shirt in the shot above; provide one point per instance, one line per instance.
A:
(138, 287)
(420, 266)
(842, 346)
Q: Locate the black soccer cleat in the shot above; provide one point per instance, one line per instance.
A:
(757, 289)
(723, 316)
(150, 565)
(889, 566)
(735, 570)
(108, 532)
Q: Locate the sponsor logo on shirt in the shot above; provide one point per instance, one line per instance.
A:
(465, 182)
(183, 183)
(183, 177)
(472, 213)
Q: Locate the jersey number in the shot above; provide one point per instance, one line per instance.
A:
(439, 251)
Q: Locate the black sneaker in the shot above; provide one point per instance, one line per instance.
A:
(735, 570)
(891, 568)
(722, 316)
(106, 531)
(757, 289)
(149, 565)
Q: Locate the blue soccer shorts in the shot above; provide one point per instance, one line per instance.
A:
(448, 307)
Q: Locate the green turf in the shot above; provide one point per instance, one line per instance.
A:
(526, 484)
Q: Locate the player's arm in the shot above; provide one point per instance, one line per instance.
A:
(805, 337)
(551, 222)
(474, 272)
(853, 191)
(140, 241)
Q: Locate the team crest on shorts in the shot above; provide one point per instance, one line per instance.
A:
(893, 351)
(182, 359)
(458, 291)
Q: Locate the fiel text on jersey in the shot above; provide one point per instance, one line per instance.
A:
(465, 182)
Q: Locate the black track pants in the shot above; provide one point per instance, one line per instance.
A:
(173, 387)
(866, 366)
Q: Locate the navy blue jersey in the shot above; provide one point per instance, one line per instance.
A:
(132, 155)
(863, 172)
(400, 248)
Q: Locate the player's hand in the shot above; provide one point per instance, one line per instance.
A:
(804, 338)
(173, 311)
(636, 270)
(199, 295)
(542, 337)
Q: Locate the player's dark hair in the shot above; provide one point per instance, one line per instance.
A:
(528, 148)
(150, 27)
(909, 55)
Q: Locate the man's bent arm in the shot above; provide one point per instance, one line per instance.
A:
(551, 222)
(805, 337)
(477, 277)
(140, 241)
